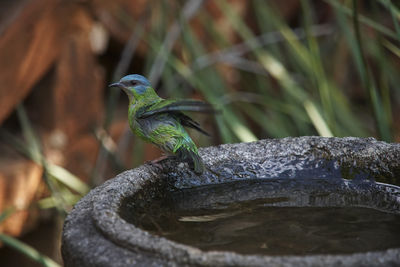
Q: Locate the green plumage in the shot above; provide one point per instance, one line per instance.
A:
(161, 121)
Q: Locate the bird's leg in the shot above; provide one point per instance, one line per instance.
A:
(156, 162)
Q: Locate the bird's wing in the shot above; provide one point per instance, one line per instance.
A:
(189, 122)
(166, 106)
(175, 108)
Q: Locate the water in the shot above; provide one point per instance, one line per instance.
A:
(272, 226)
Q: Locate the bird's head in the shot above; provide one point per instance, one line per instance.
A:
(134, 85)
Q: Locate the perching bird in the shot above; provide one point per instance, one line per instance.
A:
(161, 121)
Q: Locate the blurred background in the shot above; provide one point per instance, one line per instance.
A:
(275, 68)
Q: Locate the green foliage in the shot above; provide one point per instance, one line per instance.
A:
(25, 249)
(287, 78)
(287, 85)
(28, 251)
(65, 188)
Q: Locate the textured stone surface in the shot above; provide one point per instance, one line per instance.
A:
(96, 235)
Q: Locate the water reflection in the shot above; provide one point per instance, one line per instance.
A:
(295, 218)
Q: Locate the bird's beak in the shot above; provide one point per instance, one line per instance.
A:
(116, 85)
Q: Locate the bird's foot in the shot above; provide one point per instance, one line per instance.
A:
(156, 162)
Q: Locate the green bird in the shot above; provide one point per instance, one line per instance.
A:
(161, 121)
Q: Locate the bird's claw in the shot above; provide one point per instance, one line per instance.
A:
(156, 162)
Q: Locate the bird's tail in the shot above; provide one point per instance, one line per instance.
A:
(194, 159)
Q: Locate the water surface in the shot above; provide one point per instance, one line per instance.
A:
(272, 226)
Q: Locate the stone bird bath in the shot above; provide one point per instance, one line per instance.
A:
(306, 172)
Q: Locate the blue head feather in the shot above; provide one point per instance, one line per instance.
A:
(137, 82)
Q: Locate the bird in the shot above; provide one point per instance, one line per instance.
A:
(161, 121)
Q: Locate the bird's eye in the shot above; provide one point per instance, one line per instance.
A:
(133, 83)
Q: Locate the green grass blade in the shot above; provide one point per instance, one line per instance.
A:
(367, 21)
(6, 213)
(51, 202)
(395, 12)
(237, 126)
(393, 48)
(67, 178)
(318, 121)
(368, 81)
(28, 251)
(57, 172)
(269, 62)
(32, 142)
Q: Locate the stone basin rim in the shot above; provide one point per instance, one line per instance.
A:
(105, 201)
(104, 209)
(108, 208)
